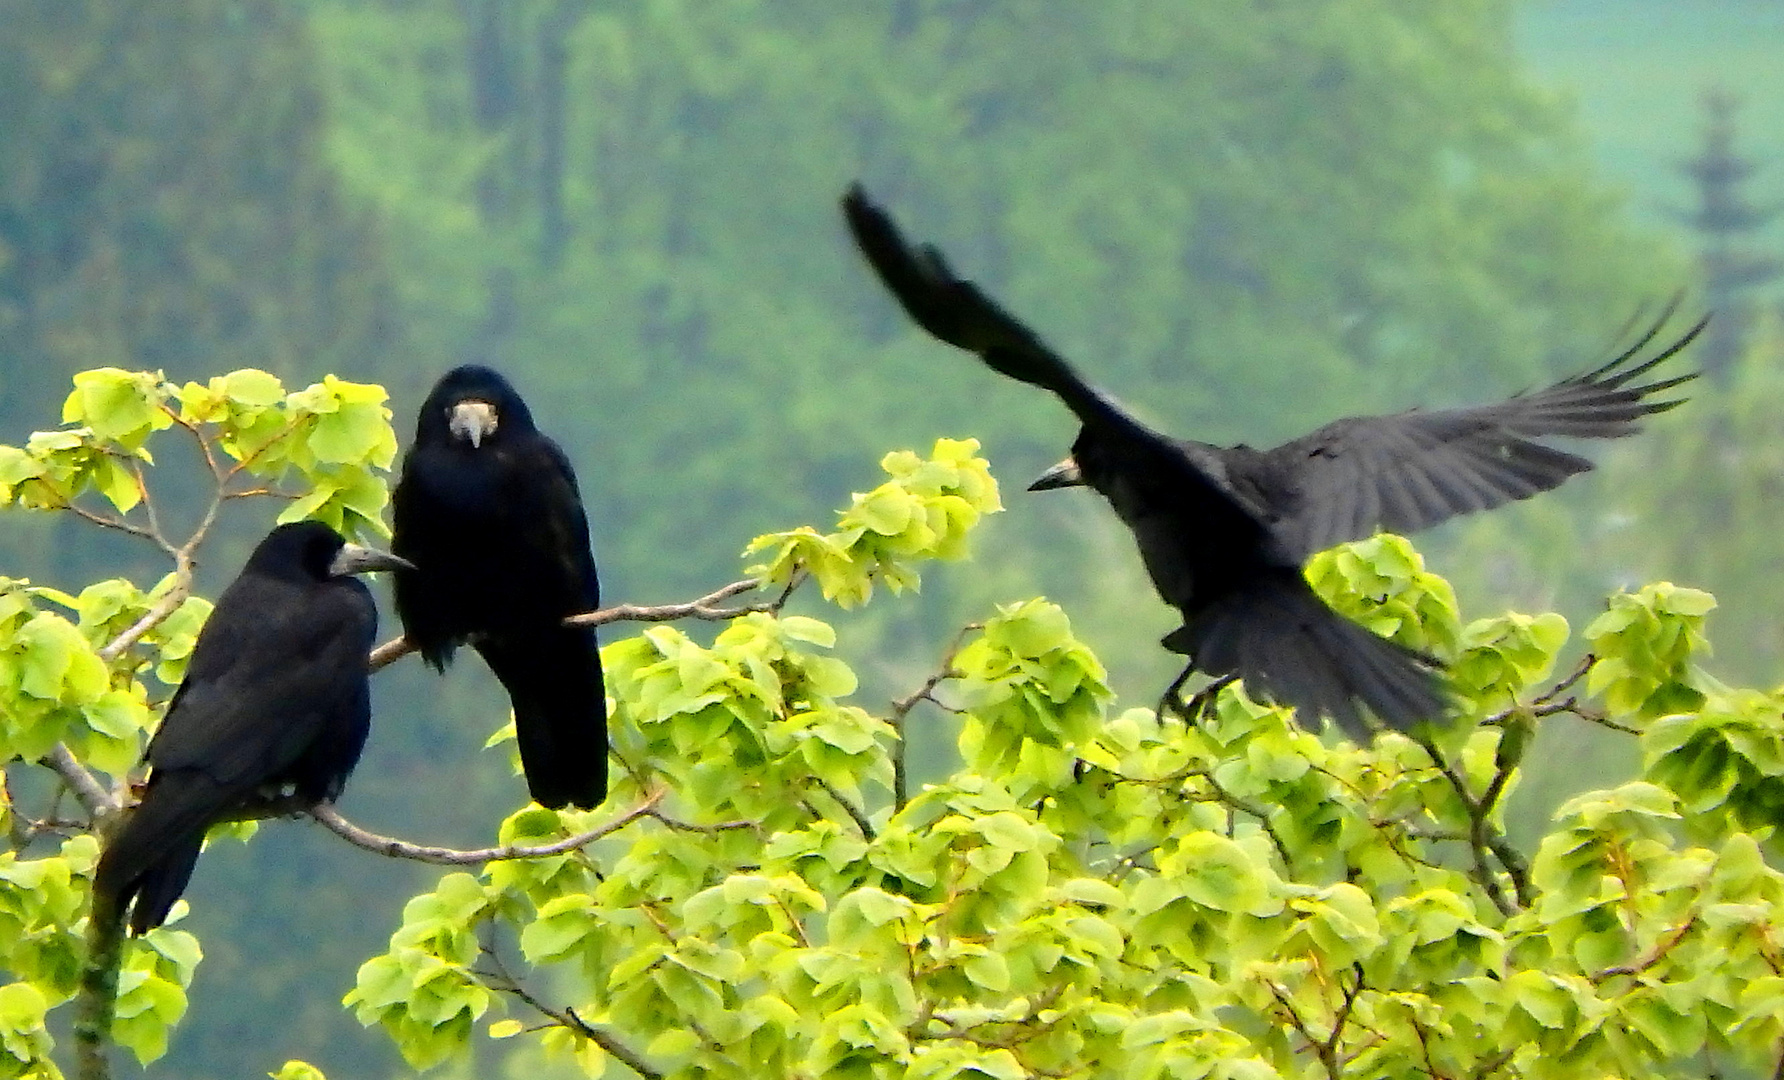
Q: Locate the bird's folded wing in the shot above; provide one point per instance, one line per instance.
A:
(287, 681)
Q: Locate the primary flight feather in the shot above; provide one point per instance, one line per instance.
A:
(1224, 531)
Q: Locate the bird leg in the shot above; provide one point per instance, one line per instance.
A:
(1169, 701)
(1190, 712)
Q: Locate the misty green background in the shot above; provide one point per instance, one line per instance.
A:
(1243, 218)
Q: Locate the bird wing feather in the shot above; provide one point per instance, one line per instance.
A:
(1411, 470)
(265, 678)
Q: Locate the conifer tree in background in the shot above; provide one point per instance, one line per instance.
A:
(1728, 222)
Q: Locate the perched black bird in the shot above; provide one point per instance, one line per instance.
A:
(488, 511)
(275, 701)
(1224, 531)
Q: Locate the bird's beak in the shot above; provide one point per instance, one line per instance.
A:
(1064, 474)
(472, 420)
(353, 559)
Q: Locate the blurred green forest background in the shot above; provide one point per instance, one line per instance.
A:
(1245, 219)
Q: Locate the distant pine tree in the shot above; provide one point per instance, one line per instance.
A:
(1728, 224)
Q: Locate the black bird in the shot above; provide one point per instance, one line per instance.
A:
(1224, 531)
(488, 510)
(275, 702)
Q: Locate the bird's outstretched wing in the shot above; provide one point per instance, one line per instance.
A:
(1412, 470)
(957, 312)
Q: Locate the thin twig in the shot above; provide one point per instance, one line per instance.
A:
(443, 856)
(1652, 956)
(118, 524)
(1232, 802)
(854, 811)
(1579, 672)
(703, 608)
(567, 1018)
(1485, 839)
(902, 707)
(1328, 1051)
(688, 826)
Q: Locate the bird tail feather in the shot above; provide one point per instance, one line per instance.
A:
(555, 684)
(1289, 647)
(150, 855)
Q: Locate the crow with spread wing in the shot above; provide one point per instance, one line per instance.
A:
(1224, 531)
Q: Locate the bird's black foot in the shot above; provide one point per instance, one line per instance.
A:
(1172, 699)
(1192, 710)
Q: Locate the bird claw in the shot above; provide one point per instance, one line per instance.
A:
(1192, 710)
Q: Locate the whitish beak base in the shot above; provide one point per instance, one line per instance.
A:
(473, 421)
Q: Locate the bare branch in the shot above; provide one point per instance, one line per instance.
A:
(158, 613)
(442, 856)
(85, 786)
(119, 524)
(1484, 838)
(1232, 802)
(688, 826)
(903, 706)
(695, 609)
(703, 608)
(1579, 672)
(1328, 1051)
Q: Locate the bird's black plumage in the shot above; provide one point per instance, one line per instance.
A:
(488, 510)
(275, 701)
(1224, 531)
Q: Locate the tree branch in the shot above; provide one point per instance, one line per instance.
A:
(1652, 956)
(155, 616)
(703, 608)
(902, 707)
(567, 1018)
(1484, 838)
(85, 785)
(853, 811)
(331, 819)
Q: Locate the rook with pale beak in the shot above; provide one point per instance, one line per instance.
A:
(488, 510)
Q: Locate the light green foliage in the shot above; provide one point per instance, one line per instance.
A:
(24, 1042)
(1643, 644)
(43, 904)
(1092, 893)
(325, 441)
(1095, 893)
(79, 671)
(925, 509)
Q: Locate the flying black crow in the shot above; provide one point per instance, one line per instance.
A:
(488, 510)
(275, 702)
(1224, 531)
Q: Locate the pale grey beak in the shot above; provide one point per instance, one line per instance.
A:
(353, 559)
(1064, 474)
(472, 420)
